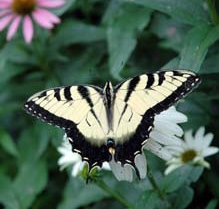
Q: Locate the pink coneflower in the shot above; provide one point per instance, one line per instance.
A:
(13, 12)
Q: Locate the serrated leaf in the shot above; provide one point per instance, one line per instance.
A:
(196, 45)
(7, 143)
(77, 194)
(29, 182)
(191, 12)
(122, 34)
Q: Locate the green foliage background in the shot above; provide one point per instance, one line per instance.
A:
(97, 41)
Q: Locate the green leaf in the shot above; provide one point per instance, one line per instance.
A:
(122, 34)
(211, 178)
(7, 143)
(149, 199)
(7, 195)
(15, 51)
(212, 204)
(196, 45)
(33, 141)
(172, 64)
(176, 179)
(77, 194)
(191, 12)
(8, 70)
(83, 66)
(196, 107)
(182, 198)
(71, 32)
(210, 65)
(29, 182)
(170, 31)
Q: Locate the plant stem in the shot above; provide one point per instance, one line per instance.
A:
(213, 12)
(154, 184)
(114, 194)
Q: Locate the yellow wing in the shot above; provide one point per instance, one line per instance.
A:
(137, 100)
(72, 107)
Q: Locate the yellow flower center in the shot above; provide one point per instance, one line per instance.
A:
(188, 155)
(23, 7)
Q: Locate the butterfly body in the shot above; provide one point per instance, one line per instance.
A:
(113, 122)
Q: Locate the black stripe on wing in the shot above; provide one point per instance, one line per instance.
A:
(92, 154)
(187, 86)
(126, 152)
(39, 112)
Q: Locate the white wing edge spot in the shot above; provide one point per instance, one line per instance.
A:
(70, 139)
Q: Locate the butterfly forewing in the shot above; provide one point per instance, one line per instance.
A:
(72, 107)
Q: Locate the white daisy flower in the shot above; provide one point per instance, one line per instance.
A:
(192, 149)
(165, 132)
(70, 158)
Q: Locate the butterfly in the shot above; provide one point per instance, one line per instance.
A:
(112, 123)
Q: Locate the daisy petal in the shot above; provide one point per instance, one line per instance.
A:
(5, 21)
(5, 4)
(44, 18)
(168, 127)
(165, 139)
(207, 139)
(199, 133)
(50, 4)
(210, 151)
(157, 149)
(27, 29)
(41, 20)
(77, 168)
(171, 168)
(172, 115)
(13, 27)
(189, 138)
(5, 12)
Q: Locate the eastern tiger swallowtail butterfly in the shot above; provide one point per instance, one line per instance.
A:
(113, 122)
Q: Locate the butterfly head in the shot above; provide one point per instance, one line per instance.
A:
(111, 146)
